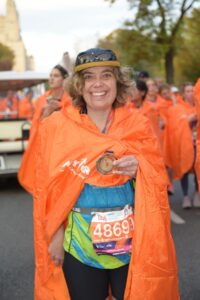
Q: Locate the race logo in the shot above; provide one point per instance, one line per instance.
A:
(77, 167)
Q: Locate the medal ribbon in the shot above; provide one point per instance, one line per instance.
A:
(108, 122)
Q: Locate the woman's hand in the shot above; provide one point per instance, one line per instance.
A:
(192, 118)
(127, 165)
(52, 106)
(161, 124)
(56, 250)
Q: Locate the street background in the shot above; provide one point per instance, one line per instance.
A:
(16, 243)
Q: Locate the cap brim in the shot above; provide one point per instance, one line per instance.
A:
(96, 64)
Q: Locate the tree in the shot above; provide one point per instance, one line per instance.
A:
(134, 49)
(160, 20)
(6, 58)
(187, 61)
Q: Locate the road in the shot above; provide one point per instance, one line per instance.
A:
(16, 244)
(187, 243)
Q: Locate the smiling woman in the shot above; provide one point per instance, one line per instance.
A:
(99, 90)
(97, 233)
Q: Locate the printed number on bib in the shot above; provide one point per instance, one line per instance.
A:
(112, 232)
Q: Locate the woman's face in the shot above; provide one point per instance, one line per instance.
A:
(166, 93)
(152, 88)
(137, 97)
(55, 79)
(100, 88)
(188, 94)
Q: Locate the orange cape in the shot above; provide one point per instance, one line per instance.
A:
(13, 108)
(151, 111)
(26, 171)
(26, 108)
(197, 99)
(68, 147)
(155, 112)
(178, 143)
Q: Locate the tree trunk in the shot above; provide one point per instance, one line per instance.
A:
(169, 65)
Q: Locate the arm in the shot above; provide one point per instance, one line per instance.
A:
(55, 249)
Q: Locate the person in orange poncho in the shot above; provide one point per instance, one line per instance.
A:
(50, 101)
(55, 96)
(152, 109)
(86, 158)
(26, 108)
(9, 106)
(197, 101)
(2, 108)
(180, 142)
(167, 99)
(138, 95)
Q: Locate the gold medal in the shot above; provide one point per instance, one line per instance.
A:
(105, 163)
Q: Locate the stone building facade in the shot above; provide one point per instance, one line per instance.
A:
(10, 35)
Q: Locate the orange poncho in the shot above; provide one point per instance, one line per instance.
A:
(26, 171)
(178, 143)
(154, 112)
(26, 108)
(68, 147)
(4, 107)
(197, 99)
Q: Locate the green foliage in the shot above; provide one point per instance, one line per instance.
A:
(6, 58)
(160, 21)
(135, 50)
(188, 54)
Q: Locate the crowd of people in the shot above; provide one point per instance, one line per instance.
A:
(14, 106)
(103, 153)
(174, 119)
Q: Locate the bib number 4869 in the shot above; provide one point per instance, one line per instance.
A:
(114, 230)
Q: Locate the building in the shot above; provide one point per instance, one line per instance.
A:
(10, 35)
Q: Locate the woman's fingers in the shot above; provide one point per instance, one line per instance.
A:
(126, 165)
(57, 260)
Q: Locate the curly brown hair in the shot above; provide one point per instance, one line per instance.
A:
(74, 87)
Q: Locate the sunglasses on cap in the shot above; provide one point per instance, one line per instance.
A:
(95, 57)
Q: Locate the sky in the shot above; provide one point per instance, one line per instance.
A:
(51, 27)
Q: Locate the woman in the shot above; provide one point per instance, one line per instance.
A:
(26, 108)
(190, 114)
(181, 143)
(152, 109)
(50, 101)
(84, 200)
(9, 106)
(54, 96)
(139, 94)
(197, 102)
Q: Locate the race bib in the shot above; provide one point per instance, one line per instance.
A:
(112, 231)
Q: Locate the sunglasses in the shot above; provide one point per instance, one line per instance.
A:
(95, 57)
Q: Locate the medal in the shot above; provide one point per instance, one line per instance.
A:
(105, 163)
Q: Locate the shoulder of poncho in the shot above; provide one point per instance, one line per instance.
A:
(46, 94)
(134, 116)
(197, 86)
(138, 119)
(60, 120)
(55, 120)
(176, 107)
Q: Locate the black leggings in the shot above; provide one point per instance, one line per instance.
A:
(185, 183)
(185, 179)
(89, 283)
